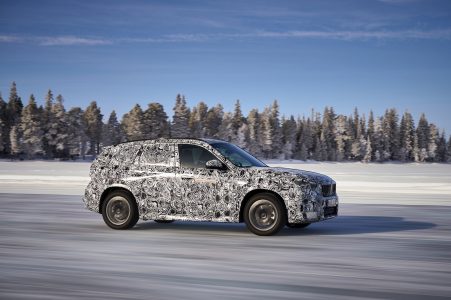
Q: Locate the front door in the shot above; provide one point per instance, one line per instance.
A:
(196, 191)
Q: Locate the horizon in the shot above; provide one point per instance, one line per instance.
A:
(372, 55)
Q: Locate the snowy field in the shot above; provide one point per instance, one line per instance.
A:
(412, 184)
(379, 247)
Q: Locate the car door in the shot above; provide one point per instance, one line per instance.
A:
(196, 191)
(154, 178)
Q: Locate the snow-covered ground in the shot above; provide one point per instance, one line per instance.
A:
(390, 183)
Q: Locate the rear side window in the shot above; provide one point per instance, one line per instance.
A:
(192, 156)
(156, 155)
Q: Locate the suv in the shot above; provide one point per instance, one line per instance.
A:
(204, 180)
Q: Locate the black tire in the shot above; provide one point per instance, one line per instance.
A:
(264, 214)
(164, 221)
(119, 210)
(298, 225)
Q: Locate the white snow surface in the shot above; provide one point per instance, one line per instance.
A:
(388, 183)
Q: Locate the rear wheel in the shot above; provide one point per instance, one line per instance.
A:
(298, 225)
(264, 214)
(119, 210)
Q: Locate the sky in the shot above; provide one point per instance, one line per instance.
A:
(372, 54)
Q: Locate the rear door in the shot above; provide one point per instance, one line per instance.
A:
(153, 179)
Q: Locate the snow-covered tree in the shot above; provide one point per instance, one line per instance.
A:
(77, 133)
(342, 134)
(197, 119)
(31, 129)
(368, 151)
(15, 137)
(225, 129)
(213, 121)
(93, 126)
(61, 139)
(253, 121)
(407, 137)
(155, 122)
(432, 143)
(180, 120)
(49, 126)
(237, 119)
(242, 137)
(289, 132)
(133, 125)
(3, 120)
(390, 129)
(112, 132)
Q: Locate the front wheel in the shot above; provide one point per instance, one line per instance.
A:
(119, 210)
(264, 214)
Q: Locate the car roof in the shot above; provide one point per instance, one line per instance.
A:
(209, 141)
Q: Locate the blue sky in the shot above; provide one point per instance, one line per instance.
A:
(371, 54)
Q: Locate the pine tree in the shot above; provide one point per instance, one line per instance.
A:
(3, 120)
(133, 125)
(13, 113)
(432, 143)
(305, 139)
(368, 151)
(237, 119)
(31, 129)
(61, 128)
(213, 121)
(15, 137)
(180, 120)
(49, 127)
(242, 137)
(155, 122)
(93, 125)
(77, 133)
(390, 131)
(327, 135)
(407, 137)
(196, 121)
(289, 131)
(342, 133)
(267, 133)
(448, 150)
(225, 129)
(276, 138)
(112, 133)
(253, 121)
(441, 148)
(423, 137)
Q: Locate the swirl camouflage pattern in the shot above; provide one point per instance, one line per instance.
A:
(169, 182)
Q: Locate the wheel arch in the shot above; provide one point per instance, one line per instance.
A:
(112, 189)
(249, 195)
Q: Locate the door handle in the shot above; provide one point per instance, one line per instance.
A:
(187, 178)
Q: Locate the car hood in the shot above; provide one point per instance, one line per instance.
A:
(311, 176)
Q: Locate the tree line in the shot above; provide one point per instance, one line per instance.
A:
(51, 131)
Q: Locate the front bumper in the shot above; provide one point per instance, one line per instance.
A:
(321, 208)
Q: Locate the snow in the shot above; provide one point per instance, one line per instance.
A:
(388, 183)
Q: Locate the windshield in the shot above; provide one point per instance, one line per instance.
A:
(237, 156)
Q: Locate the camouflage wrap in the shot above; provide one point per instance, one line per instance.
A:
(163, 190)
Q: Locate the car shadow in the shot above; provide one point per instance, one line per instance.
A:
(342, 225)
(359, 225)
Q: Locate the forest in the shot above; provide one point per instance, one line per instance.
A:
(51, 131)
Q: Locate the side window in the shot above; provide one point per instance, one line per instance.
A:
(192, 156)
(157, 155)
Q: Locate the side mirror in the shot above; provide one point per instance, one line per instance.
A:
(214, 164)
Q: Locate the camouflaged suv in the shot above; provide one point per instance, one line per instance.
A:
(204, 180)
